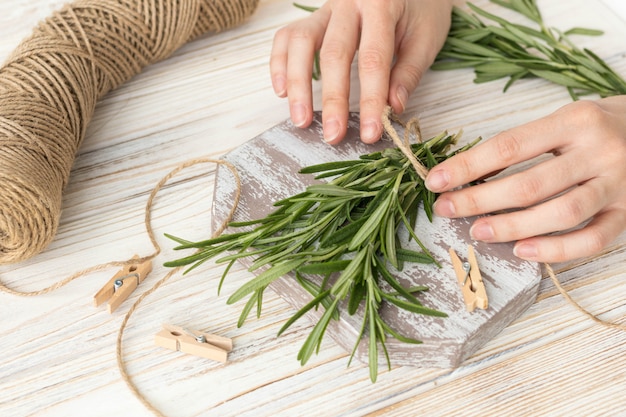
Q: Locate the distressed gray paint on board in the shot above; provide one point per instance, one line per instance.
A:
(269, 165)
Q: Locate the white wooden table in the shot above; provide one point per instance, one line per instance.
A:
(58, 351)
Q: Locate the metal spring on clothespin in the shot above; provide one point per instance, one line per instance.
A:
(123, 283)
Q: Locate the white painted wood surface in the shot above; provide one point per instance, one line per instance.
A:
(269, 166)
(58, 351)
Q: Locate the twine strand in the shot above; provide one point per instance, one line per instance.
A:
(5, 288)
(412, 126)
(119, 355)
(578, 307)
(121, 365)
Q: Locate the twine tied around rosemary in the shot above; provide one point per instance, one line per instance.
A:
(404, 144)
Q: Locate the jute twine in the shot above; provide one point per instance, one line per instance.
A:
(49, 88)
(51, 83)
(148, 215)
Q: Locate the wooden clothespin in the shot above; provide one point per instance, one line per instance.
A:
(470, 279)
(122, 284)
(195, 343)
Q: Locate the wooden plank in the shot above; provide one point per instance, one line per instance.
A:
(58, 354)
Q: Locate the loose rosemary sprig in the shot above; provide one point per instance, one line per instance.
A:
(497, 48)
(340, 241)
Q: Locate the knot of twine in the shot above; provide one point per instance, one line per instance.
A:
(51, 83)
(404, 144)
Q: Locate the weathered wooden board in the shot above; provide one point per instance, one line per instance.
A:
(269, 168)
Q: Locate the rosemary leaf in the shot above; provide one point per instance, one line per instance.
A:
(372, 223)
(324, 268)
(308, 306)
(408, 306)
(245, 312)
(518, 51)
(559, 78)
(583, 31)
(314, 338)
(329, 166)
(264, 279)
(413, 256)
(305, 8)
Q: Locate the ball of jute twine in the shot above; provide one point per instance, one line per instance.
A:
(51, 83)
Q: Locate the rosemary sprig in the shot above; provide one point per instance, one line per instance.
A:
(340, 240)
(497, 48)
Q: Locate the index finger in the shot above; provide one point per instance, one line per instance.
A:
(376, 52)
(501, 151)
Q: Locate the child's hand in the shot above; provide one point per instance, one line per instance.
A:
(586, 180)
(409, 31)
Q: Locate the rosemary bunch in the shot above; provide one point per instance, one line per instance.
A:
(340, 241)
(497, 48)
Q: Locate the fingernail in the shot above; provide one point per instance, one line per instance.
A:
(402, 95)
(369, 131)
(481, 231)
(331, 130)
(437, 180)
(525, 251)
(280, 88)
(444, 208)
(298, 115)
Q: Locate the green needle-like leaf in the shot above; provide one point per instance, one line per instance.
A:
(372, 224)
(265, 278)
(315, 337)
(518, 51)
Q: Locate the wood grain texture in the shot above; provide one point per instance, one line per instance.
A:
(269, 168)
(214, 94)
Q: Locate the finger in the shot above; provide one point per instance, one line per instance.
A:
(589, 240)
(299, 70)
(336, 55)
(375, 57)
(416, 52)
(304, 38)
(278, 63)
(561, 213)
(411, 63)
(523, 189)
(503, 150)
